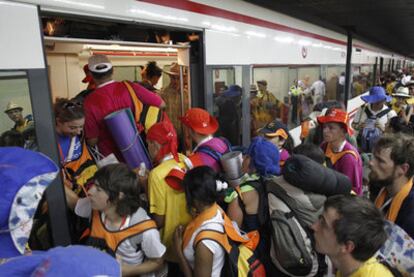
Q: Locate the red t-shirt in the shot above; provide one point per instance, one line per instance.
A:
(107, 99)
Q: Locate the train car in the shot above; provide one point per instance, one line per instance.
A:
(216, 44)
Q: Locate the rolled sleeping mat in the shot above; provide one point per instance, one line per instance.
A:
(129, 142)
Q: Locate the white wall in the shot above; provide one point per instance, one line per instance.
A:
(20, 43)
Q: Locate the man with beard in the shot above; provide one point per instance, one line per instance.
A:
(392, 169)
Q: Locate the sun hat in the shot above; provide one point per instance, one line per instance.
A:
(99, 64)
(12, 106)
(200, 121)
(402, 92)
(174, 69)
(265, 156)
(233, 91)
(24, 176)
(274, 129)
(75, 260)
(338, 116)
(376, 94)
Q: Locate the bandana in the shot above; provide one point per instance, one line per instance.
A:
(164, 134)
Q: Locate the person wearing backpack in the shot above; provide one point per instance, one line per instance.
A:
(295, 200)
(167, 203)
(372, 118)
(350, 231)
(209, 149)
(205, 245)
(247, 200)
(339, 153)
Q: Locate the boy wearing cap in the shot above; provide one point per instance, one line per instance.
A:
(202, 127)
(277, 133)
(108, 97)
(264, 106)
(403, 104)
(375, 111)
(341, 155)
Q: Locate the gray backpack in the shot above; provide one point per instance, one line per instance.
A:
(292, 249)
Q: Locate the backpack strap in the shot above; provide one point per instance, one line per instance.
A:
(217, 236)
(216, 155)
(137, 104)
(149, 116)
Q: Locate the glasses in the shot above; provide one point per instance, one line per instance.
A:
(71, 105)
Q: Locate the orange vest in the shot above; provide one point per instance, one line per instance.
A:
(334, 157)
(109, 241)
(79, 171)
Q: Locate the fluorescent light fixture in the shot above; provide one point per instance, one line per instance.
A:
(116, 47)
(159, 16)
(223, 28)
(255, 34)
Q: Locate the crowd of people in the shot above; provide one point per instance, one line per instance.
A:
(331, 205)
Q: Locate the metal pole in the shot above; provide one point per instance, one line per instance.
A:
(246, 117)
(374, 77)
(381, 65)
(348, 68)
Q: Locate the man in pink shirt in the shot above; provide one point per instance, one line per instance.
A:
(340, 154)
(108, 97)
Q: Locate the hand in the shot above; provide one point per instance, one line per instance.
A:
(379, 126)
(361, 125)
(178, 239)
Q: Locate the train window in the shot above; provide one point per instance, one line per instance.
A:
(227, 102)
(125, 73)
(16, 120)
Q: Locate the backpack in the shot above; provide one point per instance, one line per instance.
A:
(369, 135)
(397, 253)
(291, 240)
(216, 155)
(240, 257)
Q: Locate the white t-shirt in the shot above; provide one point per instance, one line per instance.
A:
(361, 116)
(217, 224)
(318, 88)
(150, 242)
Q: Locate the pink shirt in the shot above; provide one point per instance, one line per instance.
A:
(108, 98)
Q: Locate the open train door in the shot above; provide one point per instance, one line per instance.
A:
(24, 81)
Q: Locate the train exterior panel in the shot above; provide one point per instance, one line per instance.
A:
(236, 32)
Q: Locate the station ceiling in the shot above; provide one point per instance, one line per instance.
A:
(384, 23)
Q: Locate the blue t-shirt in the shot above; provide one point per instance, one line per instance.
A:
(64, 142)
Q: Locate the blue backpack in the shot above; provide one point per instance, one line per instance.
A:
(369, 135)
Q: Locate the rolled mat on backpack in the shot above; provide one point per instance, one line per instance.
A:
(308, 175)
(123, 130)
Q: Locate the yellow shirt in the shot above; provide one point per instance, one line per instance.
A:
(371, 268)
(168, 202)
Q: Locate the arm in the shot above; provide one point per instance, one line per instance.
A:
(235, 212)
(178, 245)
(148, 97)
(71, 197)
(150, 265)
(203, 261)
(159, 219)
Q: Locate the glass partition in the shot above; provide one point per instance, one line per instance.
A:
(16, 121)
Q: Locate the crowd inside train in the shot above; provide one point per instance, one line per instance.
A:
(341, 202)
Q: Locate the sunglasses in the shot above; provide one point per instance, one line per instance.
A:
(72, 105)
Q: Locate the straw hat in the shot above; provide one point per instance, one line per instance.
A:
(12, 106)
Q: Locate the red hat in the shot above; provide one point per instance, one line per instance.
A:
(88, 78)
(200, 121)
(338, 116)
(164, 134)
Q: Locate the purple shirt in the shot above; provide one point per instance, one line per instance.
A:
(350, 166)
